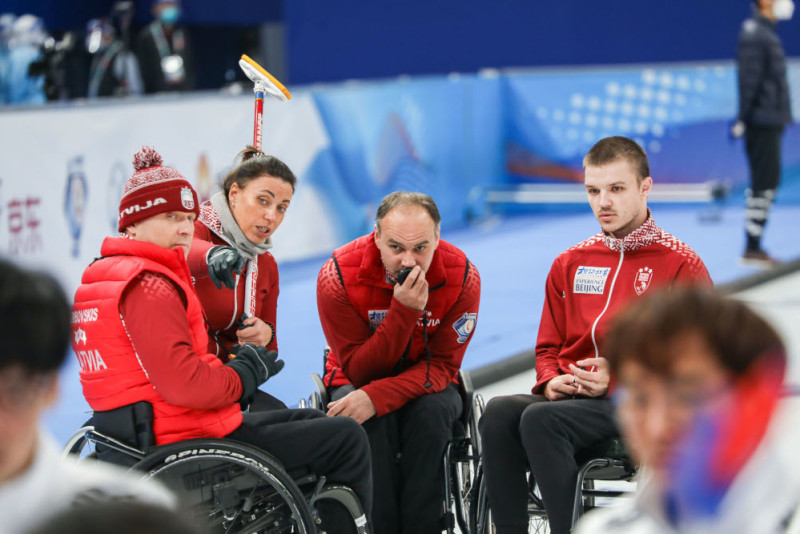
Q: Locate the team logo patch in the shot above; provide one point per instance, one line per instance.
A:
(590, 280)
(187, 198)
(80, 336)
(642, 280)
(376, 317)
(465, 325)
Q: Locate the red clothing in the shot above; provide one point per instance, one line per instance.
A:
(591, 281)
(139, 335)
(377, 342)
(223, 307)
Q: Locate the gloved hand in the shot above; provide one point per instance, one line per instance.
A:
(737, 129)
(223, 261)
(254, 364)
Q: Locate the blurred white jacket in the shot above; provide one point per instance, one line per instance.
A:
(54, 483)
(763, 498)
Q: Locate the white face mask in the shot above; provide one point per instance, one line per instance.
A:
(783, 9)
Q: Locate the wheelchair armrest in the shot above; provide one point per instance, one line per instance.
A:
(103, 439)
(612, 448)
(466, 391)
(321, 390)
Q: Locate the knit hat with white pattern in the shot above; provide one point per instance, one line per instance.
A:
(154, 189)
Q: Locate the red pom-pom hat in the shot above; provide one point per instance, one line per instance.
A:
(154, 189)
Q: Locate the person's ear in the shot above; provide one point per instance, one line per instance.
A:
(646, 187)
(233, 193)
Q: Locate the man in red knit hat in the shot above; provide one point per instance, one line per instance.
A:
(139, 335)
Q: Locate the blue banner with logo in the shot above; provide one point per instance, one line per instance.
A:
(453, 136)
(441, 136)
(679, 114)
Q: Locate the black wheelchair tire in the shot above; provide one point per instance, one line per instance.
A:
(167, 458)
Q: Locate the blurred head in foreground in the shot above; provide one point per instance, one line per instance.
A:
(699, 376)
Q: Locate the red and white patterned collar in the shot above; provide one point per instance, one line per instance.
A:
(209, 217)
(647, 234)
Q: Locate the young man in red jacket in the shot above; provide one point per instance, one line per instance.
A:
(396, 348)
(569, 409)
(139, 335)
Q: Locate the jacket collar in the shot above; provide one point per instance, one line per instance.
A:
(173, 259)
(647, 234)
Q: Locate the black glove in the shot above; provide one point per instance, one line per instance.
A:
(254, 364)
(223, 261)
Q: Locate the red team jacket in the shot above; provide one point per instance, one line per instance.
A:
(223, 307)
(591, 281)
(111, 372)
(377, 342)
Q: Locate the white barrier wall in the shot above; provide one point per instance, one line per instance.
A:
(62, 170)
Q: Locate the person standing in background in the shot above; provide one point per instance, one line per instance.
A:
(165, 54)
(764, 111)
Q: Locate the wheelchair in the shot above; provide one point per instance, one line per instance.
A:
(461, 457)
(229, 486)
(606, 461)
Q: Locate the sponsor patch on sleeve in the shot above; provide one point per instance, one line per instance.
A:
(465, 325)
(590, 280)
(376, 317)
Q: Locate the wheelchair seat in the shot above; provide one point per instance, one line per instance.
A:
(606, 460)
(229, 485)
(461, 456)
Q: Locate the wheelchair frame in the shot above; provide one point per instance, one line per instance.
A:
(608, 461)
(207, 474)
(461, 457)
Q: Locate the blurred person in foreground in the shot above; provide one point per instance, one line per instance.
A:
(120, 517)
(165, 54)
(35, 480)
(569, 409)
(764, 112)
(700, 379)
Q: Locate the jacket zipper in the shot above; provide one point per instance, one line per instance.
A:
(235, 303)
(608, 301)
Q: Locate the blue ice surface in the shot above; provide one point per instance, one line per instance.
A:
(513, 255)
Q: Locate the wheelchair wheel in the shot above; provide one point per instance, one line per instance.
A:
(78, 445)
(537, 517)
(481, 515)
(352, 519)
(231, 487)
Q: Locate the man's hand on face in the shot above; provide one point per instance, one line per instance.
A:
(561, 387)
(591, 376)
(356, 405)
(413, 293)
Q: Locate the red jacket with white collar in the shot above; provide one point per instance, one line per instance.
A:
(376, 342)
(591, 281)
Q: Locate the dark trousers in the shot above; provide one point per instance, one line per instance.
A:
(763, 147)
(335, 447)
(521, 432)
(407, 449)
